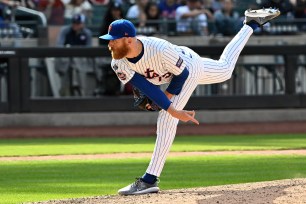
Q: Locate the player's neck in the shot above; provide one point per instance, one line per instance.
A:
(136, 49)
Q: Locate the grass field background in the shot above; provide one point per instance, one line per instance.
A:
(64, 146)
(29, 181)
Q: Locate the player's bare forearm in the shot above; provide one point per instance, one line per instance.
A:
(169, 95)
(192, 13)
(182, 115)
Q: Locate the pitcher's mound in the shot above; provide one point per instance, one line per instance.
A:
(276, 192)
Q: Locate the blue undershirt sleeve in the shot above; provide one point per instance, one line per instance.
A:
(151, 91)
(177, 82)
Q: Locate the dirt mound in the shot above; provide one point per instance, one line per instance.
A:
(287, 191)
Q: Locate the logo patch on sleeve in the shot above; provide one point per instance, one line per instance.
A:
(121, 75)
(115, 67)
(179, 62)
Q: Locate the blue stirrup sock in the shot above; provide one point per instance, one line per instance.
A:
(253, 25)
(149, 178)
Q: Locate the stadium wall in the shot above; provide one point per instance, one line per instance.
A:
(147, 118)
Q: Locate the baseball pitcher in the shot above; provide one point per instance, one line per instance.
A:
(147, 62)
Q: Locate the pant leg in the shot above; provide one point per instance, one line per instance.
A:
(216, 71)
(166, 128)
(210, 71)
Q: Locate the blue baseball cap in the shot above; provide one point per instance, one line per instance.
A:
(119, 29)
(78, 18)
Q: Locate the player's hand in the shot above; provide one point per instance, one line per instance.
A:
(183, 115)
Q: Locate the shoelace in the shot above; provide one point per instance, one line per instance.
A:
(137, 182)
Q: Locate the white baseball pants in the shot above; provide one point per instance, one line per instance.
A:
(201, 71)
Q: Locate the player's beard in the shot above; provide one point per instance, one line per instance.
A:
(119, 52)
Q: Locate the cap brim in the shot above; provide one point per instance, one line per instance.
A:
(109, 37)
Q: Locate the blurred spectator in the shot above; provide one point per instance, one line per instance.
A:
(107, 81)
(150, 18)
(192, 19)
(216, 5)
(227, 20)
(75, 34)
(8, 29)
(53, 9)
(299, 8)
(99, 2)
(135, 11)
(73, 72)
(27, 3)
(207, 10)
(167, 8)
(114, 12)
(1, 15)
(23, 3)
(300, 12)
(285, 6)
(208, 5)
(77, 7)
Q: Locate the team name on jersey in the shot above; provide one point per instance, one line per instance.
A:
(151, 74)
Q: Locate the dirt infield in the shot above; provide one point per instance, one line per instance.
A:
(148, 155)
(289, 191)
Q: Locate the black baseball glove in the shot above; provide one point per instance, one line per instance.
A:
(143, 102)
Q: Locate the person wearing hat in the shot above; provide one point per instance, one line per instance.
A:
(75, 34)
(147, 62)
(73, 71)
(227, 20)
(113, 12)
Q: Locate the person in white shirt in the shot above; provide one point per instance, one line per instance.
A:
(191, 18)
(136, 10)
(74, 7)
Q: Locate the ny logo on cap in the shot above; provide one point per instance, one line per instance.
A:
(126, 34)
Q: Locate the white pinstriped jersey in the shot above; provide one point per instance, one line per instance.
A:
(162, 57)
(201, 71)
(160, 61)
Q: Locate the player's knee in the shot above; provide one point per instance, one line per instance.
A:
(226, 76)
(228, 69)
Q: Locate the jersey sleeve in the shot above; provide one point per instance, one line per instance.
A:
(122, 71)
(173, 62)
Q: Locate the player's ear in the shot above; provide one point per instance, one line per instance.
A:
(129, 40)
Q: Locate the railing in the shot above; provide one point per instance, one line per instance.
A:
(22, 22)
(40, 15)
(17, 68)
(168, 27)
(276, 27)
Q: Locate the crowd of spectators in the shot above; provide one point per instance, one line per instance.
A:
(170, 17)
(183, 17)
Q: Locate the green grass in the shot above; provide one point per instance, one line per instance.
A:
(23, 147)
(28, 181)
